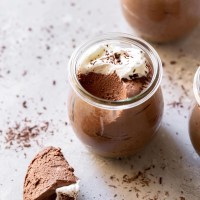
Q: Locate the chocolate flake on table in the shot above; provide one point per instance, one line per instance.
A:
(141, 178)
(24, 104)
(30, 29)
(54, 82)
(24, 73)
(72, 4)
(184, 90)
(3, 48)
(113, 186)
(39, 57)
(47, 47)
(20, 136)
(44, 108)
(175, 104)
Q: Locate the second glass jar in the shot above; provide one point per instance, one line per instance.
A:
(162, 20)
(194, 122)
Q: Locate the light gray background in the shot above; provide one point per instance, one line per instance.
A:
(73, 22)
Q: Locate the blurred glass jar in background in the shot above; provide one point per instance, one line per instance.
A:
(162, 20)
(194, 122)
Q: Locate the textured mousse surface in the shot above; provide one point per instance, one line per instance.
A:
(48, 171)
(111, 87)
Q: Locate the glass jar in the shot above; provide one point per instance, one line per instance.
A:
(162, 20)
(116, 128)
(194, 122)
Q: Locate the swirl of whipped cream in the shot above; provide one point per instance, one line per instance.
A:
(107, 59)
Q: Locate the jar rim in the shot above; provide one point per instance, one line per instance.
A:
(121, 104)
(196, 85)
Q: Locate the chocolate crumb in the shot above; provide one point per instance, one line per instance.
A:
(184, 90)
(173, 62)
(117, 55)
(160, 180)
(54, 82)
(24, 104)
(47, 47)
(24, 73)
(112, 186)
(72, 4)
(176, 104)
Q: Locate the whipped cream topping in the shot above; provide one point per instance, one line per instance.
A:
(70, 190)
(106, 59)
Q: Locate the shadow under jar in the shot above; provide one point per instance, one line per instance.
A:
(116, 128)
(162, 20)
(194, 122)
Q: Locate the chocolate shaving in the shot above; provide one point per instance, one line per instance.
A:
(173, 62)
(160, 180)
(24, 104)
(21, 136)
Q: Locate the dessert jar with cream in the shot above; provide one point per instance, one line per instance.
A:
(116, 103)
(162, 20)
(194, 121)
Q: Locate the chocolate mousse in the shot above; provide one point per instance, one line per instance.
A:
(110, 86)
(49, 177)
(194, 128)
(117, 105)
(194, 122)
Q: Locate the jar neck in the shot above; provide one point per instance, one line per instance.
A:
(122, 104)
(196, 85)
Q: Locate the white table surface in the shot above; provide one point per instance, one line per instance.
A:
(62, 25)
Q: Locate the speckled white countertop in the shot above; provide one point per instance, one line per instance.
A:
(36, 40)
